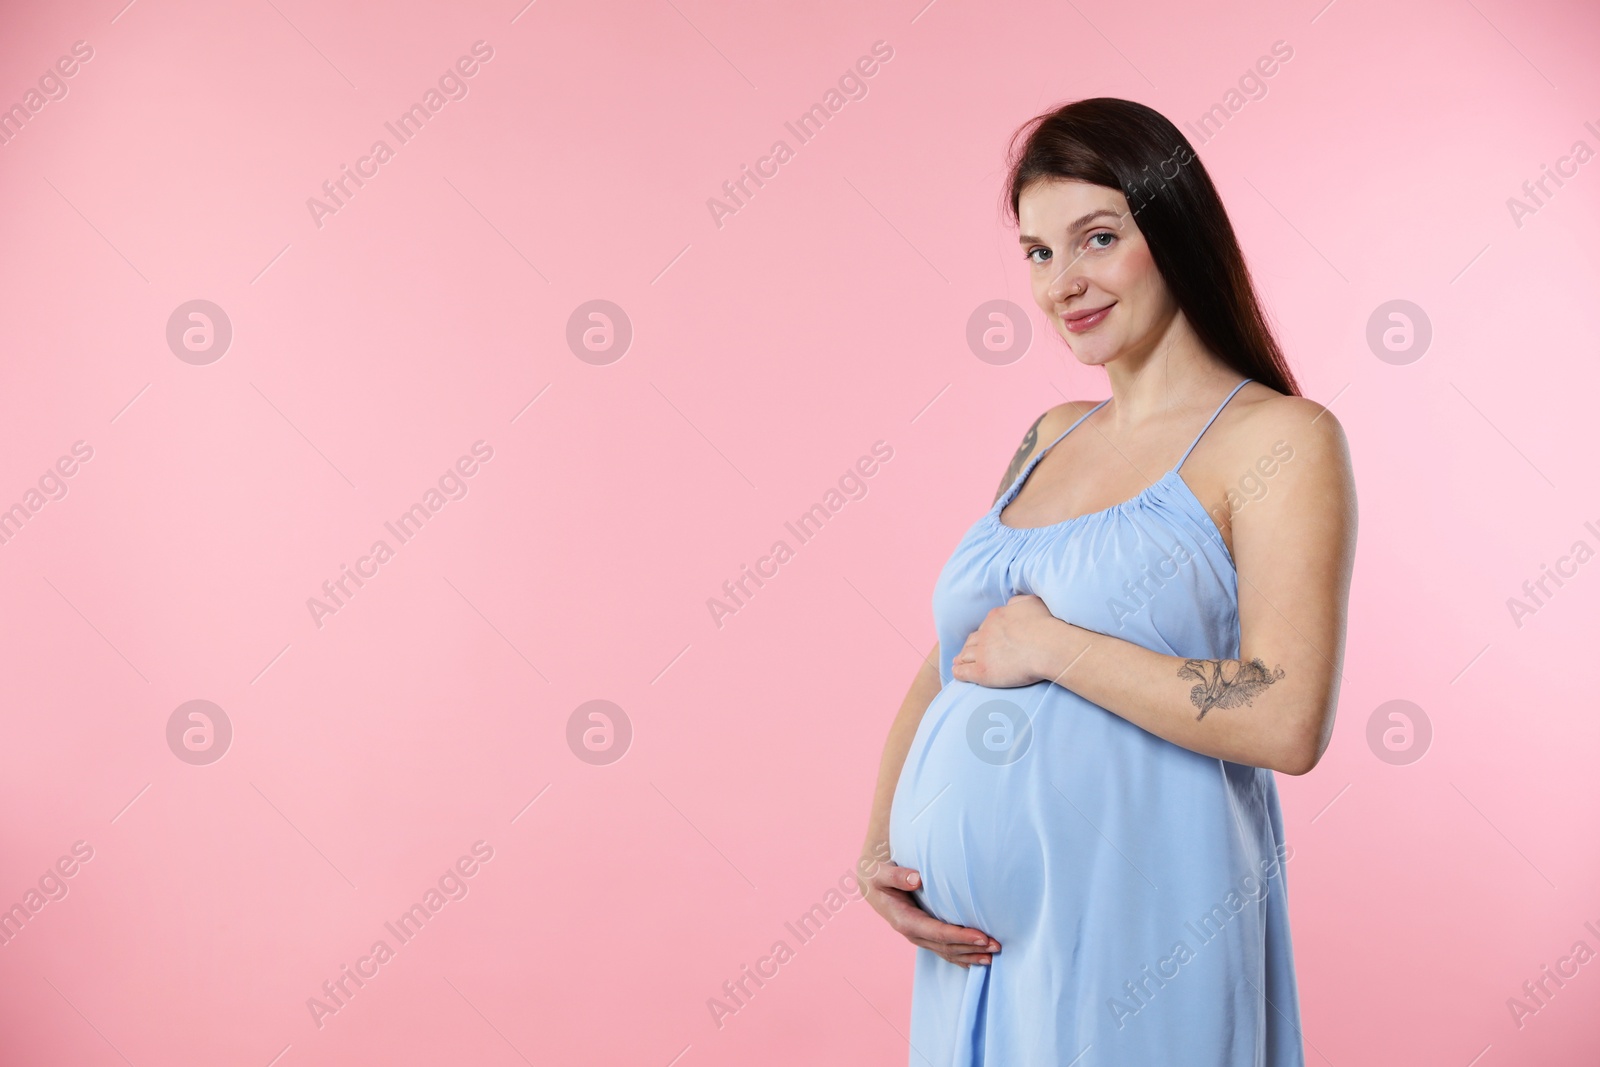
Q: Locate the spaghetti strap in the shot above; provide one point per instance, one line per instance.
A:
(1016, 484)
(1074, 426)
(1212, 419)
(1040, 453)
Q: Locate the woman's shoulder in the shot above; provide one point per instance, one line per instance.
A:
(1049, 425)
(1267, 419)
(1054, 422)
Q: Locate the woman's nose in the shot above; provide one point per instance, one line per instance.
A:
(1069, 281)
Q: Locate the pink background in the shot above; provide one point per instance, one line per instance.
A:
(431, 312)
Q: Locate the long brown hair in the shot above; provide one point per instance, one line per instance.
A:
(1131, 148)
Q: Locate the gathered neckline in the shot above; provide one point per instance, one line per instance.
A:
(1012, 493)
(992, 516)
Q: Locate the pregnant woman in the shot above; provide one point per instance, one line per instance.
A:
(1077, 796)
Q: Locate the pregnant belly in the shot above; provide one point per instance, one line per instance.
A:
(978, 812)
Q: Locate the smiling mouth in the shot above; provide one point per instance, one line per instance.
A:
(1079, 316)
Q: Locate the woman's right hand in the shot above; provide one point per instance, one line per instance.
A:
(888, 889)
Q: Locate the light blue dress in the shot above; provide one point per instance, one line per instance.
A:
(1137, 888)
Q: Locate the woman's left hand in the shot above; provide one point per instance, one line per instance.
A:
(1005, 650)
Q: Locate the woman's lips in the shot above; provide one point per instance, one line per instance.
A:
(1089, 321)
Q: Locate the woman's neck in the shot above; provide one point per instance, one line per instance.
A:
(1176, 373)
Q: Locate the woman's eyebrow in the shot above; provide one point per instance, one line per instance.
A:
(1075, 224)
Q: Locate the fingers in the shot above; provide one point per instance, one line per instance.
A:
(920, 924)
(892, 876)
(961, 959)
(962, 953)
(961, 945)
(947, 940)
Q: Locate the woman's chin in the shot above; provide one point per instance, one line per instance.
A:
(1090, 354)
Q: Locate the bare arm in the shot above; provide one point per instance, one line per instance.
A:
(1274, 705)
(924, 687)
(885, 885)
(1030, 441)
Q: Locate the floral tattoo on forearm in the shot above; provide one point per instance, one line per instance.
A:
(1218, 689)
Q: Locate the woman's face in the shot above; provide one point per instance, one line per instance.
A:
(1085, 254)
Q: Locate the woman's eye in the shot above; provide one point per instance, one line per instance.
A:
(1028, 255)
(1103, 233)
